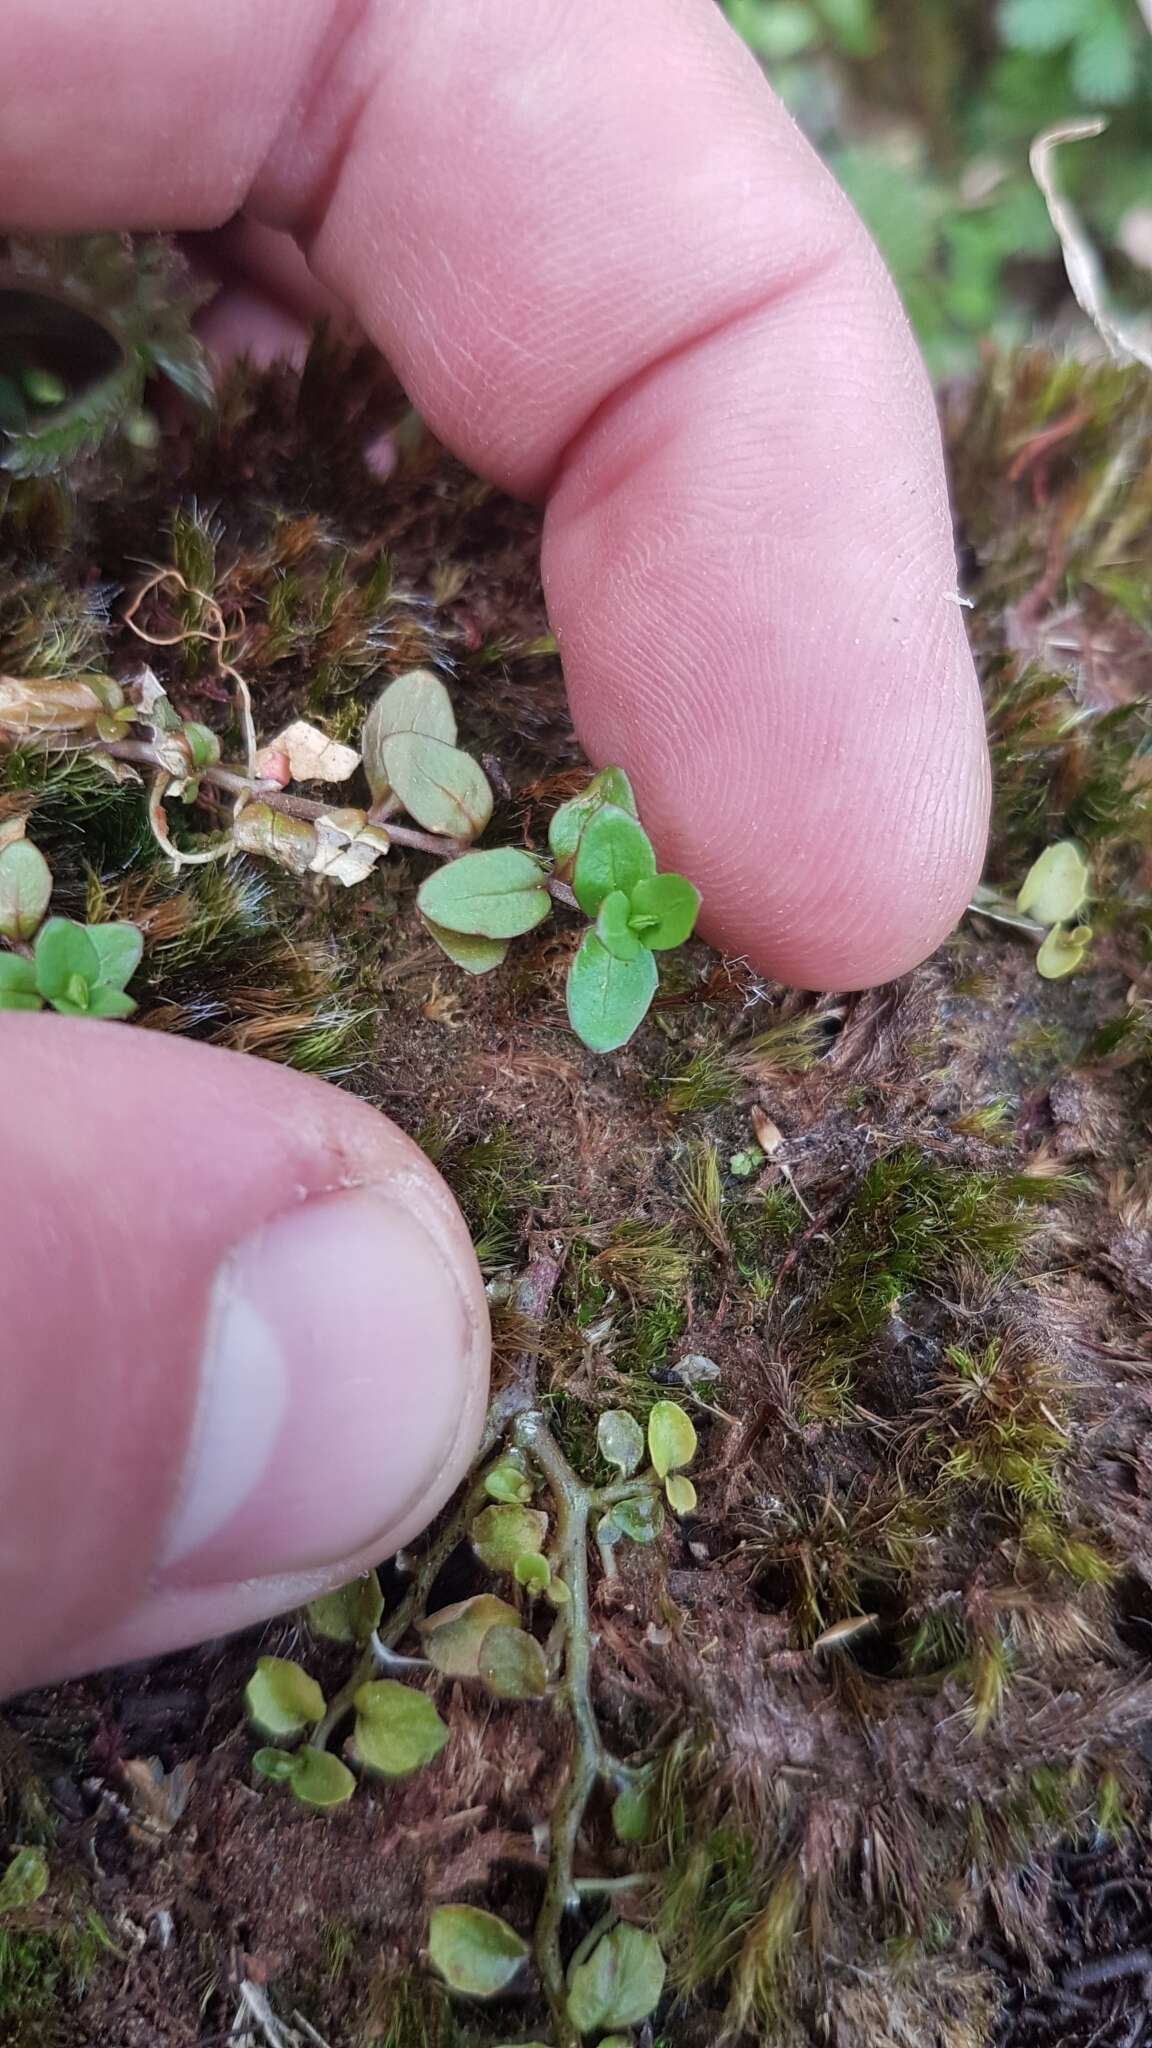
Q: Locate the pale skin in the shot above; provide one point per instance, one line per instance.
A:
(613, 278)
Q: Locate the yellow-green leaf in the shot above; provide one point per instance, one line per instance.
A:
(24, 1881)
(350, 1614)
(465, 949)
(502, 1534)
(320, 1779)
(281, 1698)
(1056, 886)
(498, 894)
(680, 1493)
(475, 1952)
(512, 1665)
(416, 702)
(397, 1728)
(452, 1636)
(1063, 951)
(444, 789)
(25, 886)
(620, 1983)
(671, 1437)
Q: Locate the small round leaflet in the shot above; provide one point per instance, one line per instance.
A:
(475, 1952)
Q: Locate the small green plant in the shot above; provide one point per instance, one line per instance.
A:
(1049, 906)
(527, 1516)
(600, 861)
(78, 970)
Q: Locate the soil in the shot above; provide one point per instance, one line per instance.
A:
(961, 1881)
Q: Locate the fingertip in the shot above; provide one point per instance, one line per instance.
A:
(256, 1362)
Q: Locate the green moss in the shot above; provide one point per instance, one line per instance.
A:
(706, 1082)
(912, 1222)
(496, 1186)
(42, 1971)
(409, 2012)
(645, 1261)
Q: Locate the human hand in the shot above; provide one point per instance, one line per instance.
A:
(610, 274)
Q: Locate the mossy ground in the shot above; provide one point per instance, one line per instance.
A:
(901, 1653)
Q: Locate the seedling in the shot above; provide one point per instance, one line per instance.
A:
(78, 970)
(600, 859)
(532, 1646)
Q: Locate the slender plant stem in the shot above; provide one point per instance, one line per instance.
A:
(573, 1503)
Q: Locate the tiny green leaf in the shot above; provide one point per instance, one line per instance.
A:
(475, 1952)
(203, 745)
(108, 1002)
(320, 1779)
(608, 999)
(613, 929)
(452, 1637)
(475, 955)
(119, 948)
(25, 886)
(512, 1665)
(495, 895)
(397, 1728)
(641, 1517)
(277, 1764)
(1063, 951)
(281, 1698)
(500, 1535)
(671, 1437)
(18, 984)
(1056, 885)
(673, 905)
(350, 1614)
(632, 1815)
(533, 1572)
(415, 703)
(680, 1494)
(24, 1881)
(508, 1481)
(621, 1440)
(444, 789)
(621, 1982)
(64, 951)
(611, 786)
(614, 852)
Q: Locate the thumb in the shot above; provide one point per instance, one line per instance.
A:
(243, 1343)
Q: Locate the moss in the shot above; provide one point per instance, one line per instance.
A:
(496, 1186)
(42, 1971)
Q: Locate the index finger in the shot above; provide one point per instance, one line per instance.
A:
(610, 272)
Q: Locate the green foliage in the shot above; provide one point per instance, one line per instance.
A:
(475, 1952)
(610, 786)
(504, 1533)
(671, 1438)
(454, 1636)
(409, 752)
(493, 895)
(621, 1440)
(25, 887)
(350, 1614)
(316, 1777)
(24, 1881)
(944, 184)
(512, 1664)
(609, 998)
(79, 970)
(90, 321)
(281, 1699)
(613, 977)
(398, 1730)
(620, 1982)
